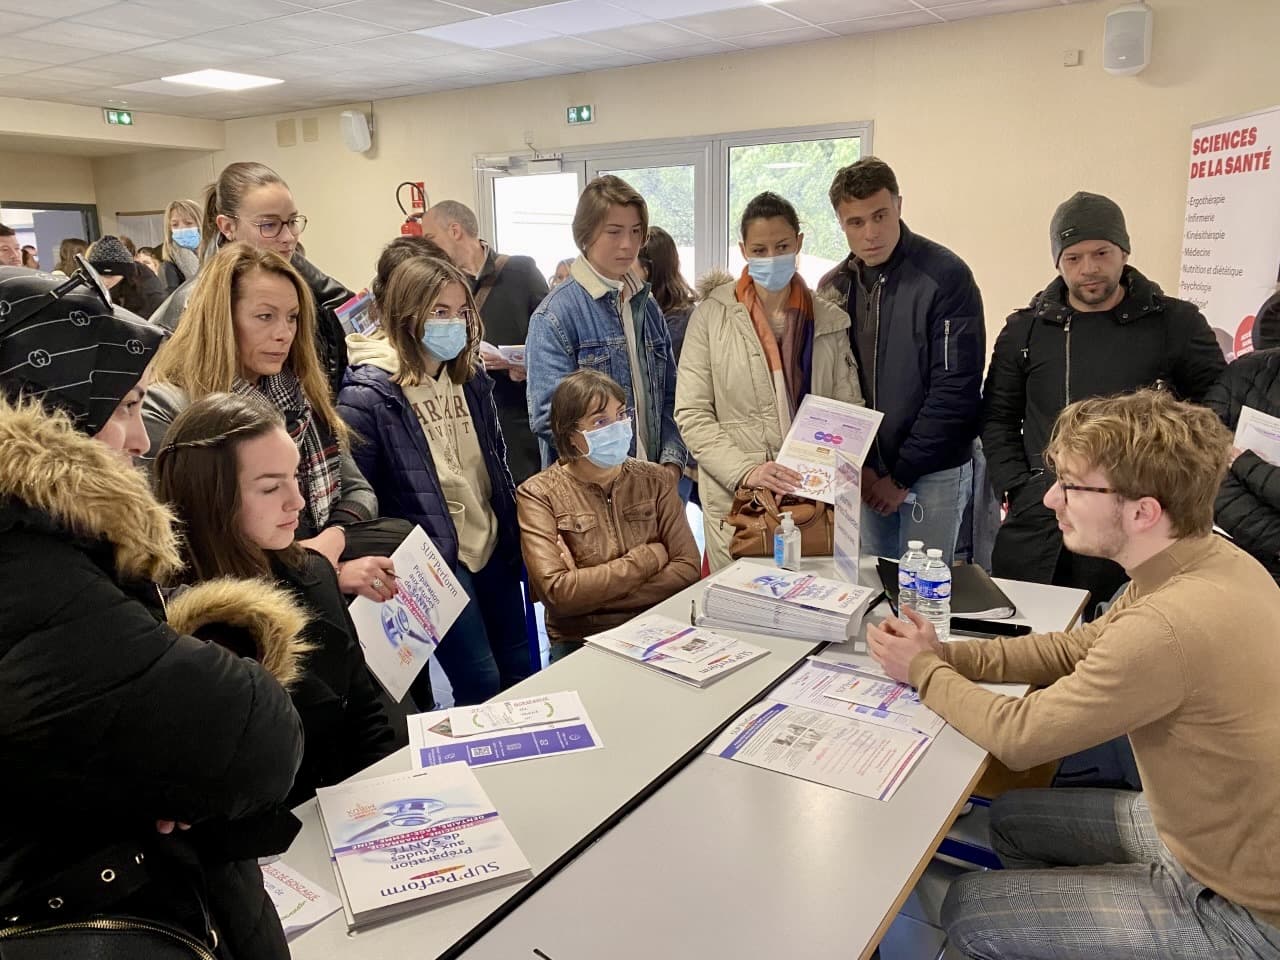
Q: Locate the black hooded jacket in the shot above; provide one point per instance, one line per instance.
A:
(1049, 355)
(1248, 504)
(111, 719)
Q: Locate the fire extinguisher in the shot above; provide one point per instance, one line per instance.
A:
(412, 226)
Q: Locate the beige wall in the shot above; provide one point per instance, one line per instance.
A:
(139, 182)
(45, 178)
(985, 127)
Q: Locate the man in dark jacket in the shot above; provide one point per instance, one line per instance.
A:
(507, 291)
(1099, 328)
(1248, 504)
(919, 339)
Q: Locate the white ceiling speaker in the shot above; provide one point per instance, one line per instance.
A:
(356, 132)
(1126, 41)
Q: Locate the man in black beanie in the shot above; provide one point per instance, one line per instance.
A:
(1099, 328)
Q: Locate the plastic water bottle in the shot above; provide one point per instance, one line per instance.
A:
(933, 593)
(907, 568)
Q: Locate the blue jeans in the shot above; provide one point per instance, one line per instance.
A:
(487, 648)
(932, 513)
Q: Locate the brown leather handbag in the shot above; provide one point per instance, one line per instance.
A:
(757, 513)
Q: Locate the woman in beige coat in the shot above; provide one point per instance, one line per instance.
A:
(753, 349)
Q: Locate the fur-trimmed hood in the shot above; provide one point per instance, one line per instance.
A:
(268, 614)
(84, 488)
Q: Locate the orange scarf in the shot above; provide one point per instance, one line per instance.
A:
(791, 362)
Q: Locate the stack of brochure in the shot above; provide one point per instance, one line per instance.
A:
(750, 596)
(689, 654)
(411, 840)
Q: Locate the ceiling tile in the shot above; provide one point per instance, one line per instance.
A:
(53, 8)
(177, 56)
(579, 16)
(36, 88)
(161, 22)
(703, 48)
(779, 37)
(13, 22)
(232, 11)
(983, 8)
(315, 63)
(123, 67)
(265, 39)
(488, 33)
(738, 23)
(670, 9)
(327, 28)
(89, 39)
(407, 46)
(828, 11)
(568, 51)
(13, 65)
(477, 61)
(84, 76)
(895, 21)
(651, 38)
(500, 6)
(42, 51)
(404, 14)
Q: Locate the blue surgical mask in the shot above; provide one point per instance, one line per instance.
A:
(187, 237)
(445, 339)
(609, 446)
(772, 273)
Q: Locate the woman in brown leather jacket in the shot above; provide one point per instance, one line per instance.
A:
(604, 535)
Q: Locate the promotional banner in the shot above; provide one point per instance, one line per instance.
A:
(1231, 236)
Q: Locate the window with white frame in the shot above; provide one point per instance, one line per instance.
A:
(696, 189)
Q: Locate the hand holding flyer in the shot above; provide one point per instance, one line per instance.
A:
(820, 428)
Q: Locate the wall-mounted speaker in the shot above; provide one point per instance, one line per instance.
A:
(1126, 40)
(356, 133)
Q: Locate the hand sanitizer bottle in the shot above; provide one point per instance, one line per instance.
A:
(786, 544)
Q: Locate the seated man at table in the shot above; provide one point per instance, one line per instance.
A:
(1186, 663)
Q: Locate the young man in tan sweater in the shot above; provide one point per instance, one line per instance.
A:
(1186, 662)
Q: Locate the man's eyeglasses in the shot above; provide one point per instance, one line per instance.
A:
(1083, 489)
(270, 228)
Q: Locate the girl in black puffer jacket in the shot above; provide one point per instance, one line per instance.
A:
(114, 727)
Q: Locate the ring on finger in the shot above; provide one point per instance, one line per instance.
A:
(377, 583)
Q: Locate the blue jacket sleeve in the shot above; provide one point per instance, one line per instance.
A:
(355, 407)
(550, 357)
(950, 414)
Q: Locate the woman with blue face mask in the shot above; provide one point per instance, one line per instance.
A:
(754, 348)
(180, 258)
(421, 406)
(604, 535)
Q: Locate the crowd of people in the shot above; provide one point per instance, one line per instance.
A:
(203, 467)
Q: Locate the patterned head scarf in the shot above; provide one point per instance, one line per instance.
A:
(62, 341)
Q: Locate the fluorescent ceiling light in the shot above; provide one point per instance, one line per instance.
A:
(222, 80)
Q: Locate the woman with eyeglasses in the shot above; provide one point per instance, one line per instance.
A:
(250, 203)
(426, 435)
(604, 535)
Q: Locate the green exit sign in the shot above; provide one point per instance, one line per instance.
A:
(585, 113)
(118, 118)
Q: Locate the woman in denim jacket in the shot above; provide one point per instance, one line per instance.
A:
(603, 318)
